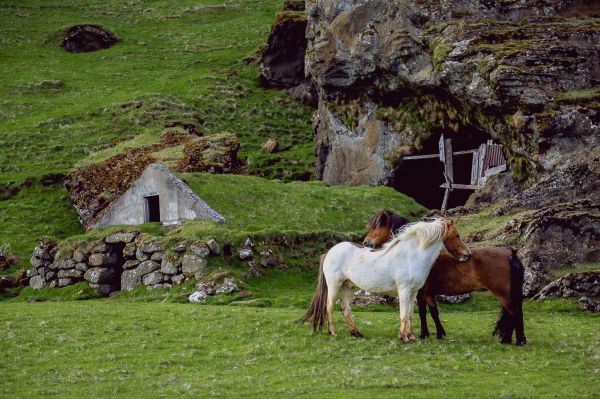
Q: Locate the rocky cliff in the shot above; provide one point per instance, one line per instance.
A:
(392, 76)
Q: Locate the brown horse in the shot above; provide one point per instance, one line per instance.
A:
(494, 269)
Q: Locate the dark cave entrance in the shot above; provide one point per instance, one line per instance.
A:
(421, 178)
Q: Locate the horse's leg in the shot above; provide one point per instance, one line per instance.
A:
(332, 292)
(347, 295)
(404, 299)
(506, 323)
(519, 327)
(423, 314)
(411, 312)
(435, 315)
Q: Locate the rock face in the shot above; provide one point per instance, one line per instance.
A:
(282, 60)
(392, 77)
(86, 38)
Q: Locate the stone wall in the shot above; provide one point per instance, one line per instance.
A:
(119, 262)
(177, 201)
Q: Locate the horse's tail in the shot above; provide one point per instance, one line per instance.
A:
(316, 309)
(506, 323)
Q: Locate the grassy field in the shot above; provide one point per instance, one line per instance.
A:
(173, 64)
(118, 348)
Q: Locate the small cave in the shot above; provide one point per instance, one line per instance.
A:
(421, 178)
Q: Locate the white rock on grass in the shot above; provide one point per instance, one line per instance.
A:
(198, 297)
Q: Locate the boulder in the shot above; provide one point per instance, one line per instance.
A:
(100, 248)
(86, 38)
(102, 259)
(129, 251)
(198, 297)
(63, 282)
(99, 275)
(245, 253)
(37, 262)
(130, 279)
(147, 267)
(79, 256)
(152, 247)
(37, 282)
(555, 236)
(152, 278)
(140, 255)
(584, 284)
(117, 238)
(167, 267)
(192, 264)
(589, 304)
(41, 253)
(213, 246)
(179, 248)
(131, 264)
(270, 146)
(227, 287)
(200, 250)
(71, 273)
(81, 266)
(63, 264)
(157, 256)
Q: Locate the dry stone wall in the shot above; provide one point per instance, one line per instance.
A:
(120, 261)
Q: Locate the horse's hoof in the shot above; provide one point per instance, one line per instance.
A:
(411, 337)
(423, 336)
(521, 343)
(331, 333)
(356, 334)
(439, 336)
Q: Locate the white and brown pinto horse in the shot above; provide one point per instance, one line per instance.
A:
(400, 267)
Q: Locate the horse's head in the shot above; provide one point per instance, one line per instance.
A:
(453, 243)
(381, 227)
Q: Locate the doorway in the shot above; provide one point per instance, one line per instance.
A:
(152, 208)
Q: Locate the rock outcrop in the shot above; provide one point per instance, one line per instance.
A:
(282, 59)
(86, 38)
(392, 77)
(585, 284)
(555, 236)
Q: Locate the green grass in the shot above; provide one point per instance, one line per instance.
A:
(113, 348)
(167, 50)
(35, 212)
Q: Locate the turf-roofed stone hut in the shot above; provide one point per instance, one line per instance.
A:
(157, 196)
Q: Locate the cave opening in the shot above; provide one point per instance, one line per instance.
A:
(420, 179)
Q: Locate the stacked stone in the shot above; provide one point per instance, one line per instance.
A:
(43, 256)
(121, 261)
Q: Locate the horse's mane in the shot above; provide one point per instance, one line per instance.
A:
(427, 232)
(389, 219)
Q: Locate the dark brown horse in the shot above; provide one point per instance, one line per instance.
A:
(494, 269)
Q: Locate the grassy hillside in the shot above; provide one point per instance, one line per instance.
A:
(172, 65)
(137, 350)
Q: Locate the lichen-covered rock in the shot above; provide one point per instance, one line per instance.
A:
(79, 256)
(200, 250)
(120, 238)
(216, 153)
(152, 247)
(227, 287)
(131, 264)
(147, 267)
(572, 285)
(178, 279)
(102, 259)
(71, 273)
(130, 279)
(213, 246)
(129, 251)
(167, 267)
(140, 255)
(157, 256)
(99, 275)
(192, 264)
(63, 264)
(37, 282)
(152, 278)
(555, 236)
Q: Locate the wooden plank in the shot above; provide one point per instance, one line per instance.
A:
(475, 168)
(448, 171)
(495, 170)
(407, 158)
(441, 150)
(464, 152)
(461, 186)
